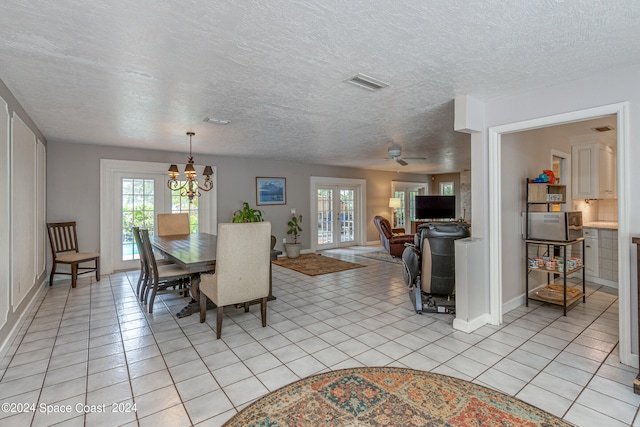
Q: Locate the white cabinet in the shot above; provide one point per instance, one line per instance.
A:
(593, 171)
(591, 253)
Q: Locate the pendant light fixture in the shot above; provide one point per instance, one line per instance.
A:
(190, 188)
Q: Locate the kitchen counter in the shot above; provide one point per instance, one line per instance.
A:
(606, 225)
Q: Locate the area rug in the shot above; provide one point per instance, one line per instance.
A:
(389, 397)
(315, 264)
(381, 256)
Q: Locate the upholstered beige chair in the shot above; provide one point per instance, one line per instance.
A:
(172, 224)
(243, 263)
(64, 249)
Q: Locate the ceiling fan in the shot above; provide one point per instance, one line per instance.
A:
(395, 153)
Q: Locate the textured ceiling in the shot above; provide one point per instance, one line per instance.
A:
(141, 72)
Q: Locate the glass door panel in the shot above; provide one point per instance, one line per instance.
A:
(324, 198)
(347, 215)
(138, 210)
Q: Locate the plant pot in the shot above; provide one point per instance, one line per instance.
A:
(293, 249)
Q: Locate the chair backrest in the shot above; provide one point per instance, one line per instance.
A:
(243, 261)
(384, 226)
(147, 250)
(142, 253)
(172, 224)
(62, 237)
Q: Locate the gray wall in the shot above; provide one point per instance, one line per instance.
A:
(73, 186)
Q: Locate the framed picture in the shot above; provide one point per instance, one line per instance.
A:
(271, 191)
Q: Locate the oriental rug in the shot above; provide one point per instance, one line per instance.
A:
(315, 264)
(389, 396)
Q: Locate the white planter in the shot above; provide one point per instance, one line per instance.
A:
(293, 249)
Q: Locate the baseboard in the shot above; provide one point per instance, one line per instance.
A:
(472, 325)
(6, 344)
(514, 303)
(603, 282)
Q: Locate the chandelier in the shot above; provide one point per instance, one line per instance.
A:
(190, 188)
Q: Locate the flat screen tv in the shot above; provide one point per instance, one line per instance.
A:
(435, 207)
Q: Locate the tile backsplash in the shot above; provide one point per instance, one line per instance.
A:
(597, 210)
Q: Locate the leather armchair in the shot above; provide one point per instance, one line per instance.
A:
(393, 239)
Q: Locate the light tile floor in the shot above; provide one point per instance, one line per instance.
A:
(91, 349)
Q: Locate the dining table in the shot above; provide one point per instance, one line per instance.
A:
(196, 253)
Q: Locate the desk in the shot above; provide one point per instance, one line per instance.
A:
(196, 253)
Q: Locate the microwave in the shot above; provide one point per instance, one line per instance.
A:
(554, 226)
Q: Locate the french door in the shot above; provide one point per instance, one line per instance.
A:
(337, 216)
(138, 199)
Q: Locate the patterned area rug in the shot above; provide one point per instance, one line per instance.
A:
(381, 256)
(315, 264)
(389, 397)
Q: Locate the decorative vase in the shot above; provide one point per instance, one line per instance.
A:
(293, 249)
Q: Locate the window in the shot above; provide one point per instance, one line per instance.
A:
(181, 204)
(446, 189)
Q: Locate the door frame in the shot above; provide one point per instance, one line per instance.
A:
(360, 206)
(621, 110)
(108, 168)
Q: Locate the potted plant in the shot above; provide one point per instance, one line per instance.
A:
(293, 248)
(247, 214)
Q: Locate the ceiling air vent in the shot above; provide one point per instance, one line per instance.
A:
(366, 82)
(602, 129)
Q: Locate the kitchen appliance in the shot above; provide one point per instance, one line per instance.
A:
(554, 226)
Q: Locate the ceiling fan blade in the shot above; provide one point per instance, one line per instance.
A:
(402, 162)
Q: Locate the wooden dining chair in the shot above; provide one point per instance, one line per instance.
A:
(144, 263)
(172, 224)
(164, 278)
(63, 239)
(243, 263)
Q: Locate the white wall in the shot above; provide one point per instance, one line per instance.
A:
(607, 88)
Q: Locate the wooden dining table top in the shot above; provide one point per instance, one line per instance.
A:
(195, 252)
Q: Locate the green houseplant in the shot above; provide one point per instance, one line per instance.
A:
(247, 214)
(293, 248)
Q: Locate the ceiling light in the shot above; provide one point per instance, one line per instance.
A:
(216, 121)
(190, 188)
(366, 82)
(602, 129)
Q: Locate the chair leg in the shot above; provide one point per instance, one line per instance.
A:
(218, 322)
(203, 307)
(97, 269)
(53, 273)
(152, 298)
(263, 311)
(74, 274)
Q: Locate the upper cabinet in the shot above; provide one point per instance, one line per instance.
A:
(593, 171)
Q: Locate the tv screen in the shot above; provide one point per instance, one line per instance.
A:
(435, 207)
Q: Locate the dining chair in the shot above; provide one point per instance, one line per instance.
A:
(144, 263)
(160, 278)
(243, 263)
(172, 224)
(63, 239)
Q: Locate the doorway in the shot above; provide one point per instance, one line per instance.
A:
(621, 111)
(338, 208)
